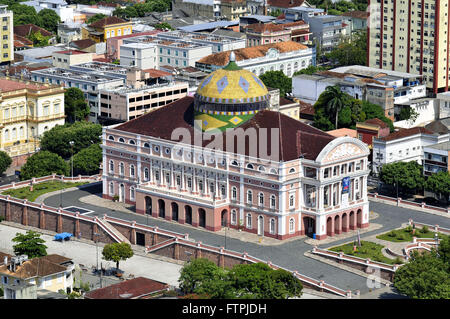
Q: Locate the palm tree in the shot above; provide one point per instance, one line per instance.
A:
(334, 100)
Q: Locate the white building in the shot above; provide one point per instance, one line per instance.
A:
(443, 101)
(287, 57)
(404, 145)
(61, 8)
(140, 55)
(427, 109)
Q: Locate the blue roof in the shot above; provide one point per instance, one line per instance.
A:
(63, 236)
(207, 26)
(260, 17)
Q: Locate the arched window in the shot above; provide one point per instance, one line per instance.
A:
(157, 175)
(272, 201)
(212, 188)
(233, 217)
(111, 188)
(291, 201)
(234, 163)
(111, 166)
(146, 174)
(200, 186)
(14, 133)
(292, 170)
(272, 226)
(146, 145)
(132, 142)
(261, 169)
(111, 138)
(303, 63)
(249, 220)
(122, 169)
(250, 166)
(132, 193)
(234, 192)
(6, 135)
(222, 190)
(273, 171)
(132, 172)
(291, 225)
(21, 131)
(249, 196)
(261, 199)
(121, 140)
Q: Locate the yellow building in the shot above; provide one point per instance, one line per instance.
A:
(27, 110)
(106, 28)
(22, 278)
(6, 35)
(411, 37)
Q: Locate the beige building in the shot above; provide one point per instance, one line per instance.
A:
(6, 35)
(27, 110)
(229, 9)
(412, 37)
(65, 59)
(23, 278)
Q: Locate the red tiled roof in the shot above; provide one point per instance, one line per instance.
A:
(406, 132)
(343, 132)
(378, 122)
(25, 30)
(285, 3)
(222, 58)
(136, 34)
(22, 40)
(357, 14)
(83, 44)
(154, 73)
(266, 27)
(36, 267)
(106, 21)
(295, 137)
(71, 52)
(7, 85)
(129, 289)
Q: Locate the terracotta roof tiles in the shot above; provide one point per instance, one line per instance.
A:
(106, 21)
(130, 289)
(406, 132)
(25, 30)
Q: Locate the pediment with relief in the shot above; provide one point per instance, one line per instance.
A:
(343, 150)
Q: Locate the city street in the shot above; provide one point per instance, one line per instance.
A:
(289, 255)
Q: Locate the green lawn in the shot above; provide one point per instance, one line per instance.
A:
(367, 250)
(39, 189)
(405, 234)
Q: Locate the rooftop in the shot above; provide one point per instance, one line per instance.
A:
(136, 288)
(444, 146)
(97, 77)
(8, 85)
(107, 21)
(285, 3)
(35, 267)
(25, 30)
(343, 132)
(405, 133)
(357, 14)
(209, 25)
(222, 58)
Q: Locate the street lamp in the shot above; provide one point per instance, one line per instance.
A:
(71, 144)
(436, 237)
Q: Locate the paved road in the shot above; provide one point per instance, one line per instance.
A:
(289, 255)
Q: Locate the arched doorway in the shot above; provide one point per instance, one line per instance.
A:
(162, 208)
(310, 226)
(359, 218)
(352, 220)
(188, 213)
(174, 211)
(121, 193)
(260, 226)
(344, 222)
(337, 225)
(224, 218)
(330, 226)
(148, 205)
(201, 217)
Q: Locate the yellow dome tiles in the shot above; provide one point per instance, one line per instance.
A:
(237, 86)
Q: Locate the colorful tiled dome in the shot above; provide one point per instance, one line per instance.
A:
(230, 96)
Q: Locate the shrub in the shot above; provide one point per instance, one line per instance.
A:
(398, 261)
(392, 234)
(424, 230)
(400, 237)
(408, 229)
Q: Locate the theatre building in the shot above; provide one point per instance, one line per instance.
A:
(262, 171)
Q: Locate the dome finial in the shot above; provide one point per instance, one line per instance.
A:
(232, 57)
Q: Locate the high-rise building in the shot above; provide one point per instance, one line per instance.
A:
(411, 36)
(7, 35)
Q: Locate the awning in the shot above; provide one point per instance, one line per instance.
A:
(62, 236)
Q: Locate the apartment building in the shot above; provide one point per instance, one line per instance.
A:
(88, 82)
(411, 36)
(140, 55)
(264, 33)
(61, 8)
(27, 110)
(125, 103)
(66, 58)
(288, 57)
(382, 87)
(7, 35)
(228, 9)
(436, 158)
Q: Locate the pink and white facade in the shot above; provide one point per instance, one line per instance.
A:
(279, 199)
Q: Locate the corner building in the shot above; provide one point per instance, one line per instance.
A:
(295, 180)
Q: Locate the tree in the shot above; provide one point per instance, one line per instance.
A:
(444, 249)
(311, 70)
(163, 26)
(83, 134)
(334, 100)
(75, 105)
(372, 111)
(30, 244)
(408, 113)
(87, 161)
(425, 276)
(44, 163)
(49, 20)
(5, 161)
(277, 80)
(439, 183)
(96, 17)
(38, 39)
(117, 252)
(407, 175)
(350, 51)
